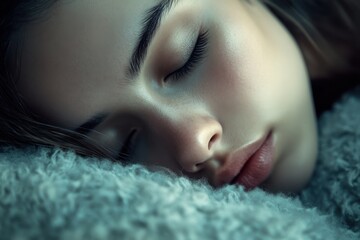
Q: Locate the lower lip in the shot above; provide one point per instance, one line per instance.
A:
(259, 166)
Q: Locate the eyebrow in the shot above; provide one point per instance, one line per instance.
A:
(150, 24)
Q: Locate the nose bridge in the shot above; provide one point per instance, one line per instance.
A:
(190, 132)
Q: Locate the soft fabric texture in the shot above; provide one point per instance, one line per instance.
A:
(55, 194)
(335, 187)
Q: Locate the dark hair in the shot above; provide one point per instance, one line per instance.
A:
(19, 126)
(323, 25)
(330, 28)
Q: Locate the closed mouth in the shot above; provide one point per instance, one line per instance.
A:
(250, 165)
(258, 166)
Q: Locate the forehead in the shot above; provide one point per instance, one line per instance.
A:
(81, 44)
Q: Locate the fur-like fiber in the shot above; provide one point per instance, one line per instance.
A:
(55, 194)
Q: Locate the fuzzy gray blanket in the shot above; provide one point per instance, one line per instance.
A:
(55, 194)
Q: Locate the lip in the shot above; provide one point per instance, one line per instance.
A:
(249, 166)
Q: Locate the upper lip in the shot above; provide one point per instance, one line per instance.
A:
(235, 161)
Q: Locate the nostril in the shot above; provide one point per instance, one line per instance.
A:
(212, 140)
(198, 165)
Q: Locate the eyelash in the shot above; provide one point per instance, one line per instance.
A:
(127, 151)
(196, 56)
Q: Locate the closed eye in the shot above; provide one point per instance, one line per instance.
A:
(196, 56)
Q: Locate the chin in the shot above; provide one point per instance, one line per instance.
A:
(295, 163)
(292, 177)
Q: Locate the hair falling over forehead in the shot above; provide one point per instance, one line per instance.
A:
(322, 24)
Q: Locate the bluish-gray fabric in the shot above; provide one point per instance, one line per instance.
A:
(55, 194)
(335, 186)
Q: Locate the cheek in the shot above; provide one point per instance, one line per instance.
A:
(231, 71)
(257, 78)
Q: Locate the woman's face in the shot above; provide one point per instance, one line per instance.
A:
(210, 84)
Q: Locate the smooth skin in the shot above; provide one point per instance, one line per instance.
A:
(251, 80)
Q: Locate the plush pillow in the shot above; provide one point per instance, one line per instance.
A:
(335, 186)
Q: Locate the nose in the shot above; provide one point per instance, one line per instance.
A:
(192, 137)
(196, 140)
